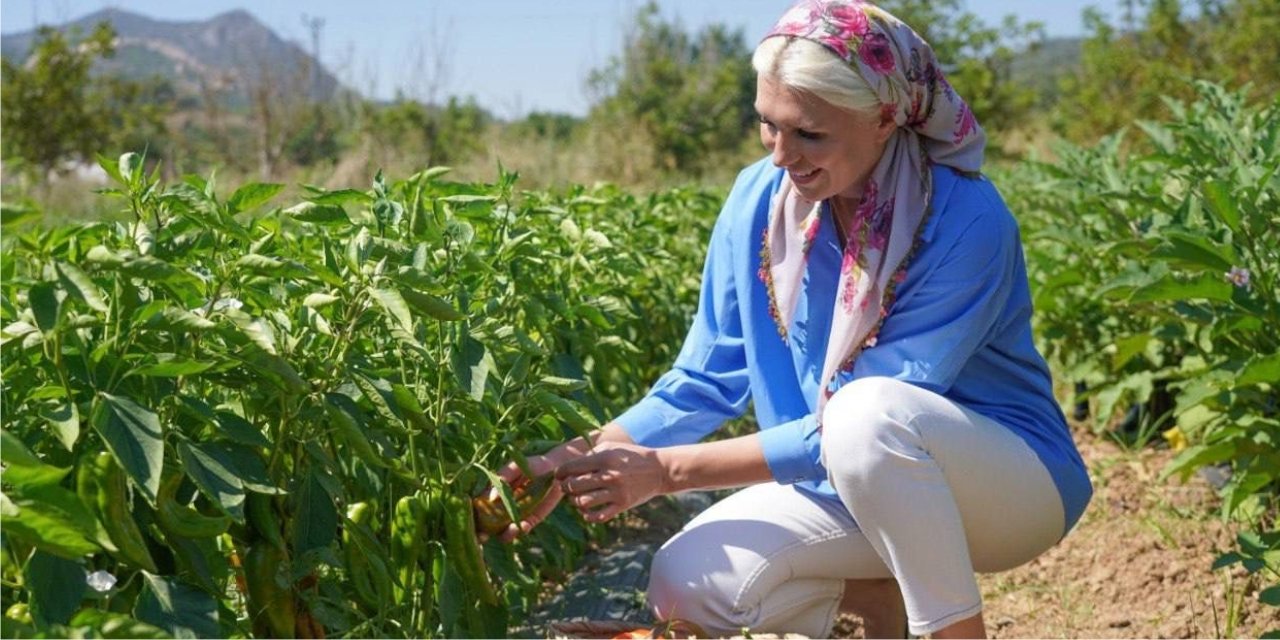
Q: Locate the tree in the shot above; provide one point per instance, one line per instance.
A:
(978, 59)
(433, 135)
(692, 95)
(45, 105)
(54, 112)
(1158, 50)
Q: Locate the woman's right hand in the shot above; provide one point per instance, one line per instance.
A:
(514, 476)
(548, 463)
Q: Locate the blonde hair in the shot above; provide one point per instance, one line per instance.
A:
(808, 66)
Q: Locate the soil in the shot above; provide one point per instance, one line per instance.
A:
(1137, 565)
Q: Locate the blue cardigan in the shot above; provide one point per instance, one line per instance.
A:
(960, 326)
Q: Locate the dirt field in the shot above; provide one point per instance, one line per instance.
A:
(1136, 566)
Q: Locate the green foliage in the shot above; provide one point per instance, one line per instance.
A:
(254, 373)
(559, 127)
(977, 58)
(691, 95)
(53, 112)
(434, 134)
(1160, 270)
(45, 113)
(1157, 50)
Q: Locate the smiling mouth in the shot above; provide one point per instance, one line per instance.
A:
(801, 178)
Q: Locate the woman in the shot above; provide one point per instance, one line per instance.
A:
(865, 288)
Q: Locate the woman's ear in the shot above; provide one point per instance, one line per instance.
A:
(886, 126)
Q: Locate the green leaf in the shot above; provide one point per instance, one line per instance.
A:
(251, 195)
(431, 305)
(565, 411)
(1226, 560)
(358, 248)
(278, 372)
(465, 199)
(23, 469)
(56, 585)
(1197, 456)
(1270, 596)
(1223, 205)
(394, 305)
(260, 263)
(82, 286)
(376, 398)
(172, 367)
(1127, 348)
(12, 214)
(410, 407)
(45, 306)
(318, 213)
(257, 330)
(564, 385)
(104, 257)
(114, 626)
(274, 267)
(452, 600)
(1194, 250)
(153, 269)
(472, 364)
(182, 610)
(1260, 370)
(316, 519)
(134, 436)
(248, 465)
(50, 518)
(1207, 286)
(341, 196)
(163, 317)
(215, 476)
(348, 422)
(237, 429)
(65, 420)
(318, 300)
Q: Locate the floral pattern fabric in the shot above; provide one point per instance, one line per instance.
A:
(934, 126)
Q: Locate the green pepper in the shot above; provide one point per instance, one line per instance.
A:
(368, 574)
(105, 480)
(464, 548)
(261, 516)
(271, 604)
(182, 520)
(407, 522)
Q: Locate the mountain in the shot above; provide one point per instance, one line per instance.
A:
(231, 52)
(1042, 68)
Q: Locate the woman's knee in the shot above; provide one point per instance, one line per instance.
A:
(681, 587)
(866, 425)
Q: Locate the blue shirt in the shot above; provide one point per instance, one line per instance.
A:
(960, 326)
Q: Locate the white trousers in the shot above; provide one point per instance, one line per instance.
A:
(929, 493)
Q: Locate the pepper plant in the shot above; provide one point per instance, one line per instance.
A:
(223, 418)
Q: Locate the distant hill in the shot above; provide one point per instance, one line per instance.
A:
(229, 53)
(1042, 68)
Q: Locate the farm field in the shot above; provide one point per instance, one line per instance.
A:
(263, 409)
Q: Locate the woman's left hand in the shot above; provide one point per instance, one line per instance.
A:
(613, 478)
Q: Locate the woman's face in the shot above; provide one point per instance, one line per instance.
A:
(827, 150)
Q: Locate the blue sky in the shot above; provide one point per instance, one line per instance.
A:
(513, 56)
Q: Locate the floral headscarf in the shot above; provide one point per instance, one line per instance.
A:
(934, 125)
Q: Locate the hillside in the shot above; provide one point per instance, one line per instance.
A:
(231, 52)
